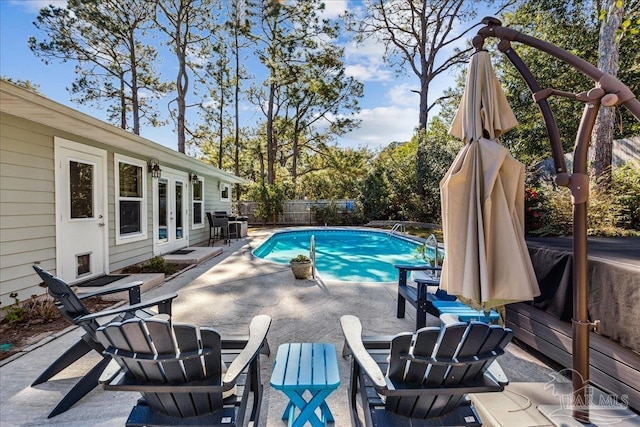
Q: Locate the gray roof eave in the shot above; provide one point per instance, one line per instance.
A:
(23, 103)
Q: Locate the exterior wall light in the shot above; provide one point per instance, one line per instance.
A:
(154, 168)
(193, 177)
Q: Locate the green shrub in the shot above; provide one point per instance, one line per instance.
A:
(159, 265)
(626, 187)
(614, 213)
(301, 258)
(328, 214)
(34, 310)
(270, 199)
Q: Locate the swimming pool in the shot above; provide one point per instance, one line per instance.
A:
(344, 254)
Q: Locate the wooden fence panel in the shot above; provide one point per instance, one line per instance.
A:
(296, 212)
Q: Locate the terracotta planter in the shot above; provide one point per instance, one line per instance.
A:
(301, 270)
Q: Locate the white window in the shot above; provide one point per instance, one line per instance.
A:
(130, 199)
(197, 202)
(225, 192)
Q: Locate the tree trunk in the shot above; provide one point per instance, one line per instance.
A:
(271, 149)
(422, 129)
(236, 138)
(221, 120)
(602, 136)
(135, 102)
(182, 87)
(123, 104)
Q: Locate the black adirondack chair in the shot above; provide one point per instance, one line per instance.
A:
(428, 374)
(71, 307)
(179, 369)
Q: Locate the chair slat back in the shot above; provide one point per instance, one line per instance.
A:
(143, 340)
(425, 342)
(496, 340)
(471, 345)
(69, 304)
(397, 366)
(457, 341)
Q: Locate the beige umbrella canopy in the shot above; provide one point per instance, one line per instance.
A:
(487, 262)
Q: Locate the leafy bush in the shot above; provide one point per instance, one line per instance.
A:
(270, 199)
(328, 214)
(155, 265)
(374, 196)
(34, 310)
(301, 258)
(616, 213)
(533, 210)
(626, 187)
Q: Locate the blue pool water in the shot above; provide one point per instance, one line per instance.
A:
(345, 255)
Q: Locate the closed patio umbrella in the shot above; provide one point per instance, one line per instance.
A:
(487, 262)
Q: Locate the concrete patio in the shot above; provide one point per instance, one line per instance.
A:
(226, 292)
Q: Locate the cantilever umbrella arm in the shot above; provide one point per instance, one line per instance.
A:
(608, 91)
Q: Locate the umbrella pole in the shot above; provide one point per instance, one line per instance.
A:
(579, 186)
(610, 92)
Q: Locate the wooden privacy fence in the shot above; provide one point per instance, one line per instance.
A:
(300, 212)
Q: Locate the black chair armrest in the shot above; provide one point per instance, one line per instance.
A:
(352, 329)
(132, 287)
(163, 302)
(257, 335)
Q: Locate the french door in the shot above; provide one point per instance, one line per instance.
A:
(170, 214)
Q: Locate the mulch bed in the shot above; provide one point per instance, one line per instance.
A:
(172, 269)
(14, 337)
(22, 335)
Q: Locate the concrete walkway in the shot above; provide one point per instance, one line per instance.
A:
(226, 292)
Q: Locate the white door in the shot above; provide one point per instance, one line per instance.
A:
(170, 214)
(81, 232)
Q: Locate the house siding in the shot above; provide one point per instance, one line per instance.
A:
(27, 208)
(29, 126)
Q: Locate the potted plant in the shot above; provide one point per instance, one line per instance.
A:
(301, 266)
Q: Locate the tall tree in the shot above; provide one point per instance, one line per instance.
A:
(573, 26)
(217, 78)
(307, 98)
(285, 31)
(238, 26)
(602, 137)
(320, 104)
(421, 36)
(104, 39)
(187, 25)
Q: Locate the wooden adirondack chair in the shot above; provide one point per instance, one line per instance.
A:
(428, 374)
(71, 307)
(179, 369)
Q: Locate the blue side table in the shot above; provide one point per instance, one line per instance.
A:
(301, 367)
(466, 313)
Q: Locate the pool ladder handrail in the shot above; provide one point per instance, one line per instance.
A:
(433, 240)
(312, 255)
(397, 227)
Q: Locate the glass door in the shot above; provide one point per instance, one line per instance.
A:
(163, 213)
(170, 230)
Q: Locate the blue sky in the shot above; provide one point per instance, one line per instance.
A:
(389, 108)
